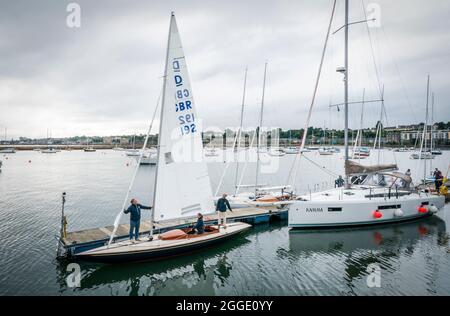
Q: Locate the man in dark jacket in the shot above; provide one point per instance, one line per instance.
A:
(135, 217)
(438, 179)
(199, 226)
(339, 183)
(221, 208)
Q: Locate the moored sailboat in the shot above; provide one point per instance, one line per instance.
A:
(8, 150)
(149, 157)
(261, 195)
(372, 194)
(182, 184)
(50, 150)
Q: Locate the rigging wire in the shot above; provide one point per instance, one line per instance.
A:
(402, 82)
(119, 216)
(323, 168)
(377, 72)
(296, 163)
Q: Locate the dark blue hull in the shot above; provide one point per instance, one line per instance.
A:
(155, 254)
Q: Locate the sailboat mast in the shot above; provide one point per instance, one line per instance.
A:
(432, 131)
(362, 118)
(160, 125)
(380, 133)
(241, 123)
(258, 130)
(426, 131)
(346, 155)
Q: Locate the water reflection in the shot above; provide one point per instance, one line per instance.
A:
(153, 278)
(274, 260)
(384, 238)
(356, 249)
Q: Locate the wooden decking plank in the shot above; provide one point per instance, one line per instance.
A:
(89, 235)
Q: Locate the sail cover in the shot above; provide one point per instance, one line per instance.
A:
(352, 168)
(183, 187)
(399, 175)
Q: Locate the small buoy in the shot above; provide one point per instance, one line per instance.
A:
(423, 210)
(398, 213)
(433, 209)
(377, 214)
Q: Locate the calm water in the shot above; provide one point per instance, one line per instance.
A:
(267, 260)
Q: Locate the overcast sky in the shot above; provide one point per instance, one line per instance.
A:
(104, 78)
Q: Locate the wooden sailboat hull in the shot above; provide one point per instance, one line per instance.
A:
(155, 249)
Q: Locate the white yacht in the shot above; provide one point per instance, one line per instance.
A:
(149, 157)
(50, 150)
(276, 152)
(211, 152)
(382, 197)
(7, 151)
(325, 151)
(292, 150)
(262, 196)
(371, 194)
(422, 156)
(133, 153)
(89, 149)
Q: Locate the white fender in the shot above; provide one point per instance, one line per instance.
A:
(433, 209)
(398, 213)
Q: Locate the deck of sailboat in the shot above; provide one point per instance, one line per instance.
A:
(82, 240)
(359, 193)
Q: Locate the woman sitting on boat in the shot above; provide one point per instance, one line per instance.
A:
(199, 226)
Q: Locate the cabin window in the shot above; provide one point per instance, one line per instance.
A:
(335, 209)
(425, 203)
(389, 207)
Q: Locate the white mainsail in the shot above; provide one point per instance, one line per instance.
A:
(182, 184)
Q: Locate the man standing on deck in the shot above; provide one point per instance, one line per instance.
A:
(438, 179)
(408, 172)
(135, 217)
(339, 183)
(221, 208)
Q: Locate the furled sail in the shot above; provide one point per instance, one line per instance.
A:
(353, 168)
(182, 184)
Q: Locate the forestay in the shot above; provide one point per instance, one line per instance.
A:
(182, 185)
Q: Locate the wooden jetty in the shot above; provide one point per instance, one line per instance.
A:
(78, 241)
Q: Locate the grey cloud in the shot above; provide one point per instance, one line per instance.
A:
(105, 77)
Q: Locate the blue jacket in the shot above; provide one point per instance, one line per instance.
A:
(135, 211)
(200, 226)
(222, 205)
